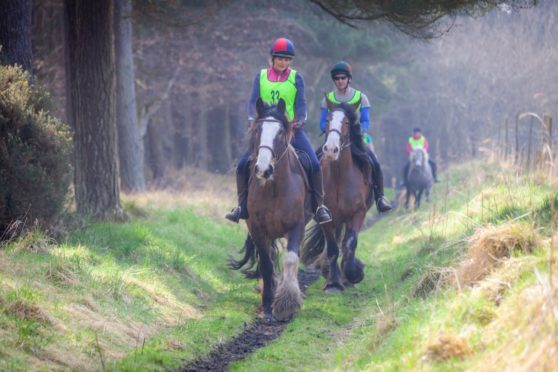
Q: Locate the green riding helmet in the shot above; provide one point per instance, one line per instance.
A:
(341, 67)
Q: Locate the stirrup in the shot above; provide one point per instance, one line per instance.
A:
(323, 215)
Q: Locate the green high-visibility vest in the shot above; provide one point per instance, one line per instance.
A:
(352, 101)
(272, 91)
(416, 143)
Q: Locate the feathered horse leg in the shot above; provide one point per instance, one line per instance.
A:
(288, 297)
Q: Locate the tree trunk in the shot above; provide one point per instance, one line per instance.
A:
(15, 32)
(92, 92)
(155, 156)
(129, 147)
(202, 124)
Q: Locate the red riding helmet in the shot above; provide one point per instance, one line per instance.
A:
(283, 48)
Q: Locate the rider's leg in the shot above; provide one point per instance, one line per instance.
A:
(434, 169)
(300, 142)
(382, 204)
(242, 176)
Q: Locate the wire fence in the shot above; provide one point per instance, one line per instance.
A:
(529, 142)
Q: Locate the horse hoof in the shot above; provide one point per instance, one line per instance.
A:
(269, 318)
(334, 287)
(356, 278)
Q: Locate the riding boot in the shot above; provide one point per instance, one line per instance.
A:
(241, 211)
(382, 204)
(322, 214)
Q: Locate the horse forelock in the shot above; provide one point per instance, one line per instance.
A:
(273, 111)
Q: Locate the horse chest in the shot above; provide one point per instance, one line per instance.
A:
(275, 207)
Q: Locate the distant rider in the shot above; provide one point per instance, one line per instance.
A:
(419, 141)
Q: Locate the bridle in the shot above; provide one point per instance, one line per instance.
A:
(330, 130)
(273, 155)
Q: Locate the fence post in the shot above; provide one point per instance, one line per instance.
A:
(547, 120)
(516, 140)
(507, 141)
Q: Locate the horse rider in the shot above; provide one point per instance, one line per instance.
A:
(270, 84)
(341, 74)
(419, 141)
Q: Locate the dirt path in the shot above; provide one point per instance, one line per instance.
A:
(258, 334)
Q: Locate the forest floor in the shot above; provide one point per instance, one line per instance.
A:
(465, 282)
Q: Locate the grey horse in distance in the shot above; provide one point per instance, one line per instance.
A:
(419, 178)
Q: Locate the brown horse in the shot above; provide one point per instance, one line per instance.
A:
(278, 206)
(348, 195)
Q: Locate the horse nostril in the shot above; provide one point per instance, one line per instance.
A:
(257, 169)
(268, 172)
(325, 148)
(336, 150)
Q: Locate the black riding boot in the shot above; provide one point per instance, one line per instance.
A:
(241, 211)
(434, 168)
(322, 214)
(382, 204)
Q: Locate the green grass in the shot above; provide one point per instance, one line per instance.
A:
(379, 325)
(111, 286)
(155, 293)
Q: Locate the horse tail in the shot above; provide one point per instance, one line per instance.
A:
(313, 245)
(250, 258)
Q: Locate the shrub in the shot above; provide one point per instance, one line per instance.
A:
(35, 152)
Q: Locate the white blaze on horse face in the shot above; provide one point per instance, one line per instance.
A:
(332, 145)
(269, 131)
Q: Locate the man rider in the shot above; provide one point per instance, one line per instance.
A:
(270, 84)
(419, 141)
(341, 74)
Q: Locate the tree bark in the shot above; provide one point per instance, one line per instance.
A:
(92, 95)
(130, 152)
(15, 32)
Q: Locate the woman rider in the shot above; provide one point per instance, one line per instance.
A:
(270, 84)
(341, 74)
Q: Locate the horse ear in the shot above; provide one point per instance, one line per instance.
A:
(282, 106)
(260, 107)
(329, 104)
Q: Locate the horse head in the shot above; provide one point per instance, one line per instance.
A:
(270, 138)
(341, 125)
(418, 158)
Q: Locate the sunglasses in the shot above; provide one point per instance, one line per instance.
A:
(340, 78)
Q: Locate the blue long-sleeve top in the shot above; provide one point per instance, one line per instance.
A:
(299, 104)
(364, 119)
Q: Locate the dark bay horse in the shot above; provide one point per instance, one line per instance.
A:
(348, 195)
(419, 178)
(278, 206)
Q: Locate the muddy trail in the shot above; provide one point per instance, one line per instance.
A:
(255, 336)
(259, 333)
